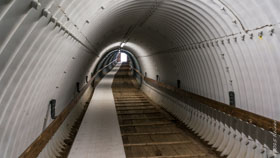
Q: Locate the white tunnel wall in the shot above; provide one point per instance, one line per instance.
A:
(39, 62)
(212, 46)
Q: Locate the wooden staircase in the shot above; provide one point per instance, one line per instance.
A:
(147, 130)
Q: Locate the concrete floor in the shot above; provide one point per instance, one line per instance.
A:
(99, 135)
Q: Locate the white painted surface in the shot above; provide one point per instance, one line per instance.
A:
(99, 135)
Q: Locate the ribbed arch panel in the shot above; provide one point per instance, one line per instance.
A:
(211, 46)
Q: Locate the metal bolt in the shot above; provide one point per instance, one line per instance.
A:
(271, 32)
(243, 38)
(251, 36)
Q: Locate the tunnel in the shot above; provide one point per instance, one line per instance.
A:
(208, 68)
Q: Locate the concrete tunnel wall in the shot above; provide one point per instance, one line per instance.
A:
(212, 46)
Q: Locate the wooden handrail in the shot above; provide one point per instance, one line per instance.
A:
(182, 95)
(40, 142)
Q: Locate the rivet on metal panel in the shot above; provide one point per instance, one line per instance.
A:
(251, 36)
(271, 32)
(243, 37)
(217, 43)
(227, 68)
(230, 81)
(35, 4)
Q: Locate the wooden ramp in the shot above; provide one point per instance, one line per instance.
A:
(146, 129)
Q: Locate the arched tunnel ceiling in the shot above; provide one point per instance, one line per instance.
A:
(212, 46)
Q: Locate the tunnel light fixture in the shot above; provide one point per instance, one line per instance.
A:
(53, 104)
(123, 44)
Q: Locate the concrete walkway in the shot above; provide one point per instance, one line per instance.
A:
(99, 135)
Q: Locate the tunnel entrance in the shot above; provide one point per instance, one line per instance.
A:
(123, 57)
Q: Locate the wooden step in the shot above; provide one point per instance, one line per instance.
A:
(158, 143)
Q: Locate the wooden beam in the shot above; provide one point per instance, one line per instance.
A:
(150, 133)
(140, 113)
(147, 124)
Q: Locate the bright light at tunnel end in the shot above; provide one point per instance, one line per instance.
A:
(123, 57)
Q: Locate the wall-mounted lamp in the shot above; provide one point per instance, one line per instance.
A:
(231, 98)
(178, 83)
(53, 104)
(78, 87)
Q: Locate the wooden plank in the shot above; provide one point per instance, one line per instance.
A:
(144, 118)
(134, 105)
(135, 113)
(150, 133)
(135, 108)
(158, 143)
(173, 156)
(147, 124)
